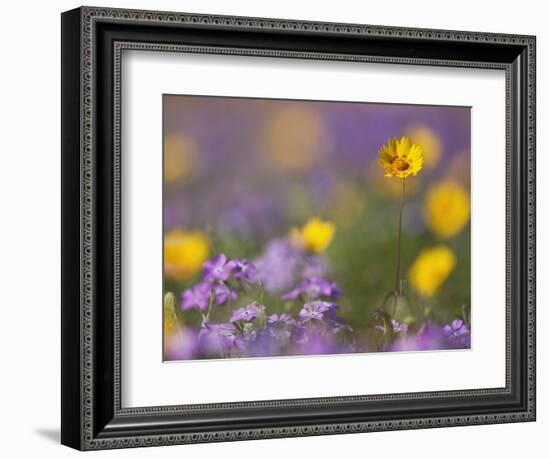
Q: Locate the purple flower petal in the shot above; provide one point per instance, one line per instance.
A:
(292, 295)
(276, 268)
(399, 327)
(223, 294)
(457, 334)
(215, 337)
(247, 313)
(244, 269)
(314, 288)
(317, 310)
(217, 268)
(196, 297)
(457, 324)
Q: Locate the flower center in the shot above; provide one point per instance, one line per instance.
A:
(402, 164)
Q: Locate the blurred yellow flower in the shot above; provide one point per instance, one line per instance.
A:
(401, 158)
(181, 158)
(429, 142)
(447, 208)
(184, 253)
(295, 138)
(315, 236)
(431, 268)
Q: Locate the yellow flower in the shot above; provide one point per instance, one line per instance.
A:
(181, 158)
(184, 253)
(431, 268)
(295, 138)
(429, 142)
(447, 208)
(315, 236)
(401, 158)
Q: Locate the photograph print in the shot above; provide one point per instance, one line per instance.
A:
(296, 227)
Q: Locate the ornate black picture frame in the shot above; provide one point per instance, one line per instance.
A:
(92, 42)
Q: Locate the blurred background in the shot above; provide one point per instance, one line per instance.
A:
(241, 173)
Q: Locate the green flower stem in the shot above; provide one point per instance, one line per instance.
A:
(206, 318)
(398, 260)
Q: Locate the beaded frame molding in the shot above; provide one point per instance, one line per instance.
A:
(93, 40)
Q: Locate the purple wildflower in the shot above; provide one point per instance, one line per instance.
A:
(277, 266)
(280, 326)
(429, 337)
(457, 333)
(399, 327)
(215, 337)
(282, 318)
(248, 335)
(196, 297)
(311, 342)
(247, 313)
(244, 269)
(317, 310)
(180, 344)
(218, 268)
(314, 288)
(223, 293)
(300, 334)
(396, 327)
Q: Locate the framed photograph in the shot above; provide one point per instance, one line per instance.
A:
(276, 228)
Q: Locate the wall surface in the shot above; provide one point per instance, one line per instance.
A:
(30, 241)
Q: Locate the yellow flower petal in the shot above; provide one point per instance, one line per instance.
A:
(401, 158)
(181, 158)
(315, 236)
(447, 208)
(295, 138)
(429, 141)
(184, 253)
(431, 268)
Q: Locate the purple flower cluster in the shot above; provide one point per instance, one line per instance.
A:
(282, 263)
(314, 288)
(244, 269)
(218, 268)
(277, 266)
(308, 324)
(232, 338)
(280, 326)
(215, 287)
(397, 328)
(196, 297)
(455, 335)
(247, 313)
(317, 311)
(249, 330)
